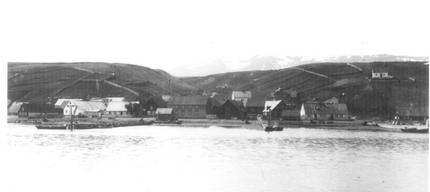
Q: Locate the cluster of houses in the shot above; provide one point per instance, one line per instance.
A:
(239, 105)
(97, 107)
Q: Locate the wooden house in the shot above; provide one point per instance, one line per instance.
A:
(35, 110)
(323, 111)
(232, 110)
(189, 106)
(117, 109)
(242, 96)
(254, 107)
(165, 114)
(275, 108)
(84, 108)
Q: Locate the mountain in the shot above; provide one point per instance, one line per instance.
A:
(272, 62)
(37, 82)
(350, 82)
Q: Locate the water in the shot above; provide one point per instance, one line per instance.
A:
(211, 159)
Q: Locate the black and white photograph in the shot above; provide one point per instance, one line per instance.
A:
(214, 96)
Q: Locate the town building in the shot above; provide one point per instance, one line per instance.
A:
(61, 103)
(232, 110)
(84, 108)
(323, 111)
(153, 103)
(189, 106)
(254, 107)
(36, 110)
(415, 113)
(117, 109)
(242, 96)
(164, 114)
(14, 108)
(275, 108)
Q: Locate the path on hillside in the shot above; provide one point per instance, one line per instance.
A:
(311, 72)
(355, 67)
(122, 87)
(70, 84)
(82, 69)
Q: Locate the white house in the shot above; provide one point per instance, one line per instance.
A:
(61, 103)
(242, 96)
(117, 108)
(84, 108)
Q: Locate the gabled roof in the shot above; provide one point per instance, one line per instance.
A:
(61, 102)
(237, 104)
(14, 107)
(117, 106)
(89, 105)
(167, 111)
(255, 102)
(324, 108)
(189, 100)
(272, 104)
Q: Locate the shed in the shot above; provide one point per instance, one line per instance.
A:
(165, 114)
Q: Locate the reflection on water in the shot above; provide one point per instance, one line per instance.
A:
(212, 159)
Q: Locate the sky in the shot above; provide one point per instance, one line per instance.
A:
(178, 36)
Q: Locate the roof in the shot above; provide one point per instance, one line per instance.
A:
(117, 106)
(189, 100)
(115, 98)
(14, 107)
(412, 111)
(164, 111)
(60, 102)
(271, 104)
(255, 102)
(241, 94)
(39, 108)
(324, 108)
(89, 105)
(237, 104)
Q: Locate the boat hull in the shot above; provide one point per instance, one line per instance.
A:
(414, 130)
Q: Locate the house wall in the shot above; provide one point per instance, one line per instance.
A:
(189, 111)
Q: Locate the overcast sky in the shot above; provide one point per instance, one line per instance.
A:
(173, 34)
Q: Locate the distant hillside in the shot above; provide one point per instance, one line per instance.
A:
(350, 82)
(38, 81)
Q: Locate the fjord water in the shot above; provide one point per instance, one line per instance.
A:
(150, 158)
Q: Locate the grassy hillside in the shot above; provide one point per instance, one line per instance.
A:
(37, 81)
(351, 83)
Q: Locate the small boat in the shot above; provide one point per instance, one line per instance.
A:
(414, 130)
(268, 127)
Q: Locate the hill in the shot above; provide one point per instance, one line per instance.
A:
(37, 82)
(350, 82)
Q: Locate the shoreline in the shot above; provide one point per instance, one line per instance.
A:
(206, 123)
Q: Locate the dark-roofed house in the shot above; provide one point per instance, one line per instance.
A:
(323, 111)
(35, 110)
(416, 113)
(232, 110)
(291, 114)
(254, 106)
(189, 106)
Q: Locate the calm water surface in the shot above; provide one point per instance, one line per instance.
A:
(211, 159)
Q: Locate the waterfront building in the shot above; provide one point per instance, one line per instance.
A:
(84, 108)
(323, 111)
(153, 103)
(117, 109)
(36, 110)
(189, 106)
(61, 103)
(254, 107)
(165, 114)
(231, 109)
(275, 107)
